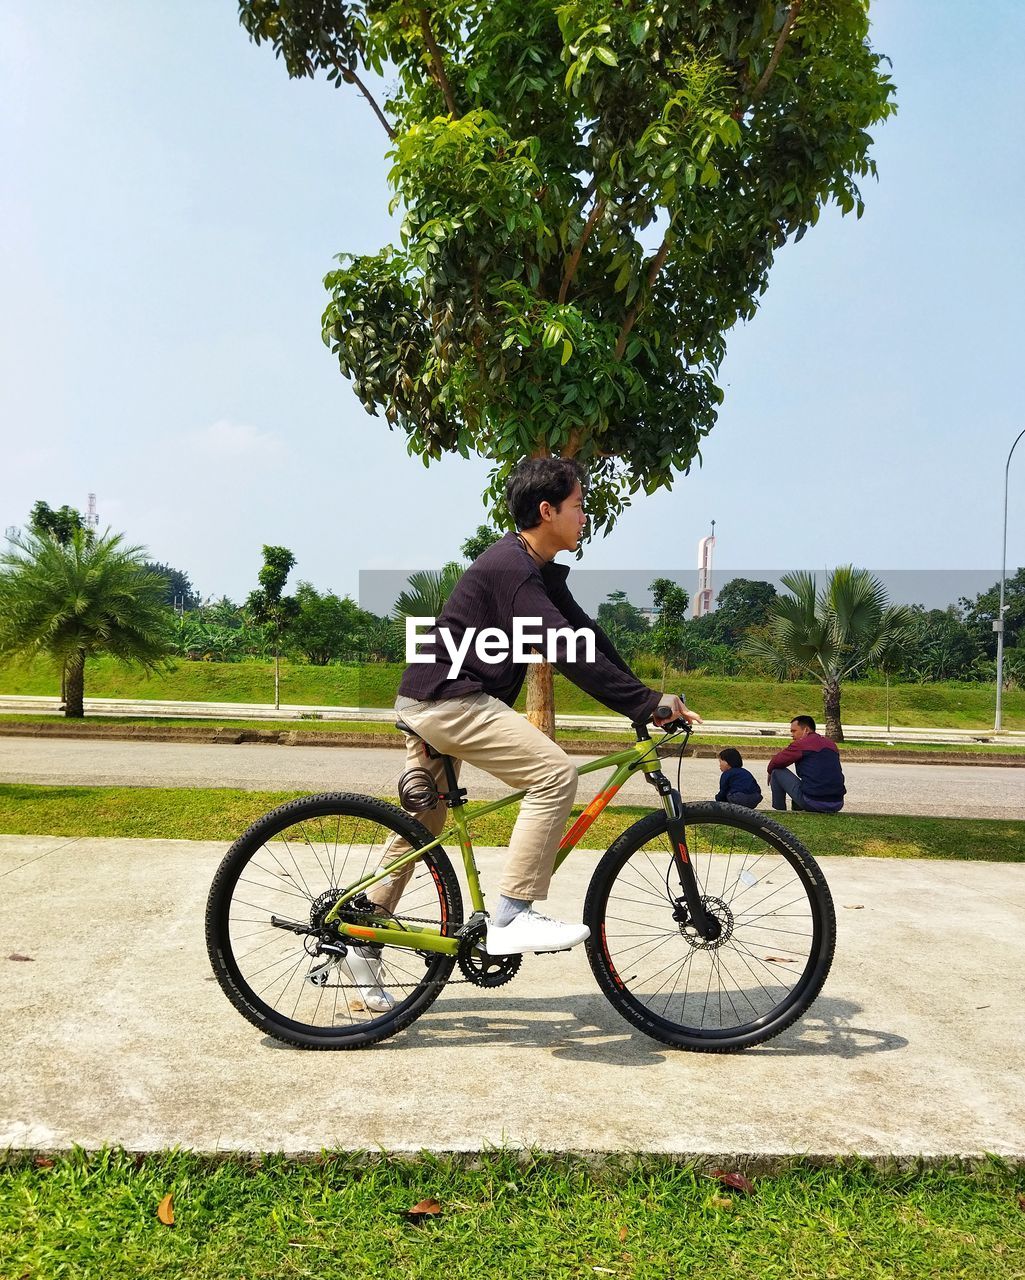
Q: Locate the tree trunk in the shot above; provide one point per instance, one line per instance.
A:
(541, 697)
(831, 703)
(887, 704)
(74, 699)
(277, 681)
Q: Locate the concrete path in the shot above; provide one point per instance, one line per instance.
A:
(935, 790)
(36, 705)
(115, 1031)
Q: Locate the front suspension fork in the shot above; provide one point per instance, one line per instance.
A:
(706, 925)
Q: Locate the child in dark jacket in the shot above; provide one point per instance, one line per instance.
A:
(737, 785)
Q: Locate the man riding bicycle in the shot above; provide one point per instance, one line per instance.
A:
(458, 696)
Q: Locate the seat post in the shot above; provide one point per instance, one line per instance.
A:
(455, 794)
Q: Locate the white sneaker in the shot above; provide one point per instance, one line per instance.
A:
(531, 931)
(367, 971)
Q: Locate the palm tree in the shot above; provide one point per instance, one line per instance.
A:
(79, 599)
(427, 592)
(832, 633)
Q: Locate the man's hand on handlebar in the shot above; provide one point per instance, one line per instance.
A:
(672, 708)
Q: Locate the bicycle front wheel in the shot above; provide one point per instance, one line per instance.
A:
(266, 934)
(775, 945)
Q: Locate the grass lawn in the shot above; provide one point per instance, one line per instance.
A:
(95, 1215)
(222, 813)
(374, 685)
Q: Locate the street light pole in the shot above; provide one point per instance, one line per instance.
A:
(998, 626)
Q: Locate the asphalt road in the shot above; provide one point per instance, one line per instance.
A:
(936, 790)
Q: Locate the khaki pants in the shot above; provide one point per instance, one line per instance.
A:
(489, 735)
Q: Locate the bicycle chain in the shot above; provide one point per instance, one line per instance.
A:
(407, 986)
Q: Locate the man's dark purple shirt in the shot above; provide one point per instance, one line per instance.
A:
(505, 583)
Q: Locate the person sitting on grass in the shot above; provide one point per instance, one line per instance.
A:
(818, 784)
(736, 784)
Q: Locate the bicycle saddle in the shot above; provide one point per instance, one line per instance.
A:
(431, 752)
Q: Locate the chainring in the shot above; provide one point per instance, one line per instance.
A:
(480, 968)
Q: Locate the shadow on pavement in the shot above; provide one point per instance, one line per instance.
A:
(584, 1028)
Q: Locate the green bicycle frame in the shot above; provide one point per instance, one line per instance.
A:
(643, 755)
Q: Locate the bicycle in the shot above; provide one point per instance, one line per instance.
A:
(712, 927)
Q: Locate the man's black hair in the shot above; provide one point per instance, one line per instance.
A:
(537, 480)
(807, 721)
(732, 757)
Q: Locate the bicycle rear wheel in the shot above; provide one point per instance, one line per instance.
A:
(778, 930)
(292, 866)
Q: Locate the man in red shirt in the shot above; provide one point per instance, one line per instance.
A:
(818, 784)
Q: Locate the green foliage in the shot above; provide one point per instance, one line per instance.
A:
(592, 196)
(75, 600)
(328, 628)
(741, 604)
(267, 605)
(179, 593)
(937, 646)
(624, 624)
(478, 542)
(668, 634)
(59, 525)
(981, 613)
(426, 592)
(831, 634)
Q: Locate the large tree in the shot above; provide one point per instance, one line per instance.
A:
(981, 613)
(59, 525)
(79, 599)
(477, 543)
(592, 196)
(179, 592)
(741, 604)
(831, 634)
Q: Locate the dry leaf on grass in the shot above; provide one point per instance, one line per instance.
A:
(44, 1162)
(165, 1210)
(422, 1211)
(1021, 1203)
(623, 1233)
(735, 1180)
(722, 1202)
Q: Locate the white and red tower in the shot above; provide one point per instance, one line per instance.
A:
(704, 598)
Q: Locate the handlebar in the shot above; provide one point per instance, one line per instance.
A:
(670, 726)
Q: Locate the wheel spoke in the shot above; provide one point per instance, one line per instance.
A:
(773, 919)
(317, 850)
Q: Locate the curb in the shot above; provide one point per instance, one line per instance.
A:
(312, 738)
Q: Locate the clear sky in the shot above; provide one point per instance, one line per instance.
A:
(171, 201)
